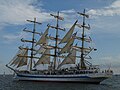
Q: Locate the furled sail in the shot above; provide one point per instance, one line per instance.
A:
(85, 39)
(60, 18)
(70, 58)
(69, 34)
(53, 38)
(43, 38)
(80, 48)
(44, 59)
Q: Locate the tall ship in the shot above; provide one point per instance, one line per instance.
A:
(65, 60)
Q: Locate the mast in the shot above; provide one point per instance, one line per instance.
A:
(33, 39)
(56, 37)
(82, 53)
(56, 41)
(82, 63)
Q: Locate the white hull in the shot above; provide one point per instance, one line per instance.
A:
(83, 78)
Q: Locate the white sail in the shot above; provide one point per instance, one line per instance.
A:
(43, 38)
(70, 58)
(14, 58)
(69, 34)
(23, 60)
(67, 47)
(44, 59)
(20, 61)
(41, 50)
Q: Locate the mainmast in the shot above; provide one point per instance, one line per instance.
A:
(33, 39)
(56, 41)
(82, 63)
(56, 37)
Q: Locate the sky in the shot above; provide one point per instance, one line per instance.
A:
(104, 21)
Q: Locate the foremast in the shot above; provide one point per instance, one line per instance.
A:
(33, 40)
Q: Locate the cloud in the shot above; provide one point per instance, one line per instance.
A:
(113, 60)
(115, 4)
(68, 11)
(9, 38)
(106, 19)
(111, 10)
(67, 25)
(17, 11)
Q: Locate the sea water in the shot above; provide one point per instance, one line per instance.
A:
(7, 83)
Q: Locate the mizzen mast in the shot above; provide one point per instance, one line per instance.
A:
(82, 63)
